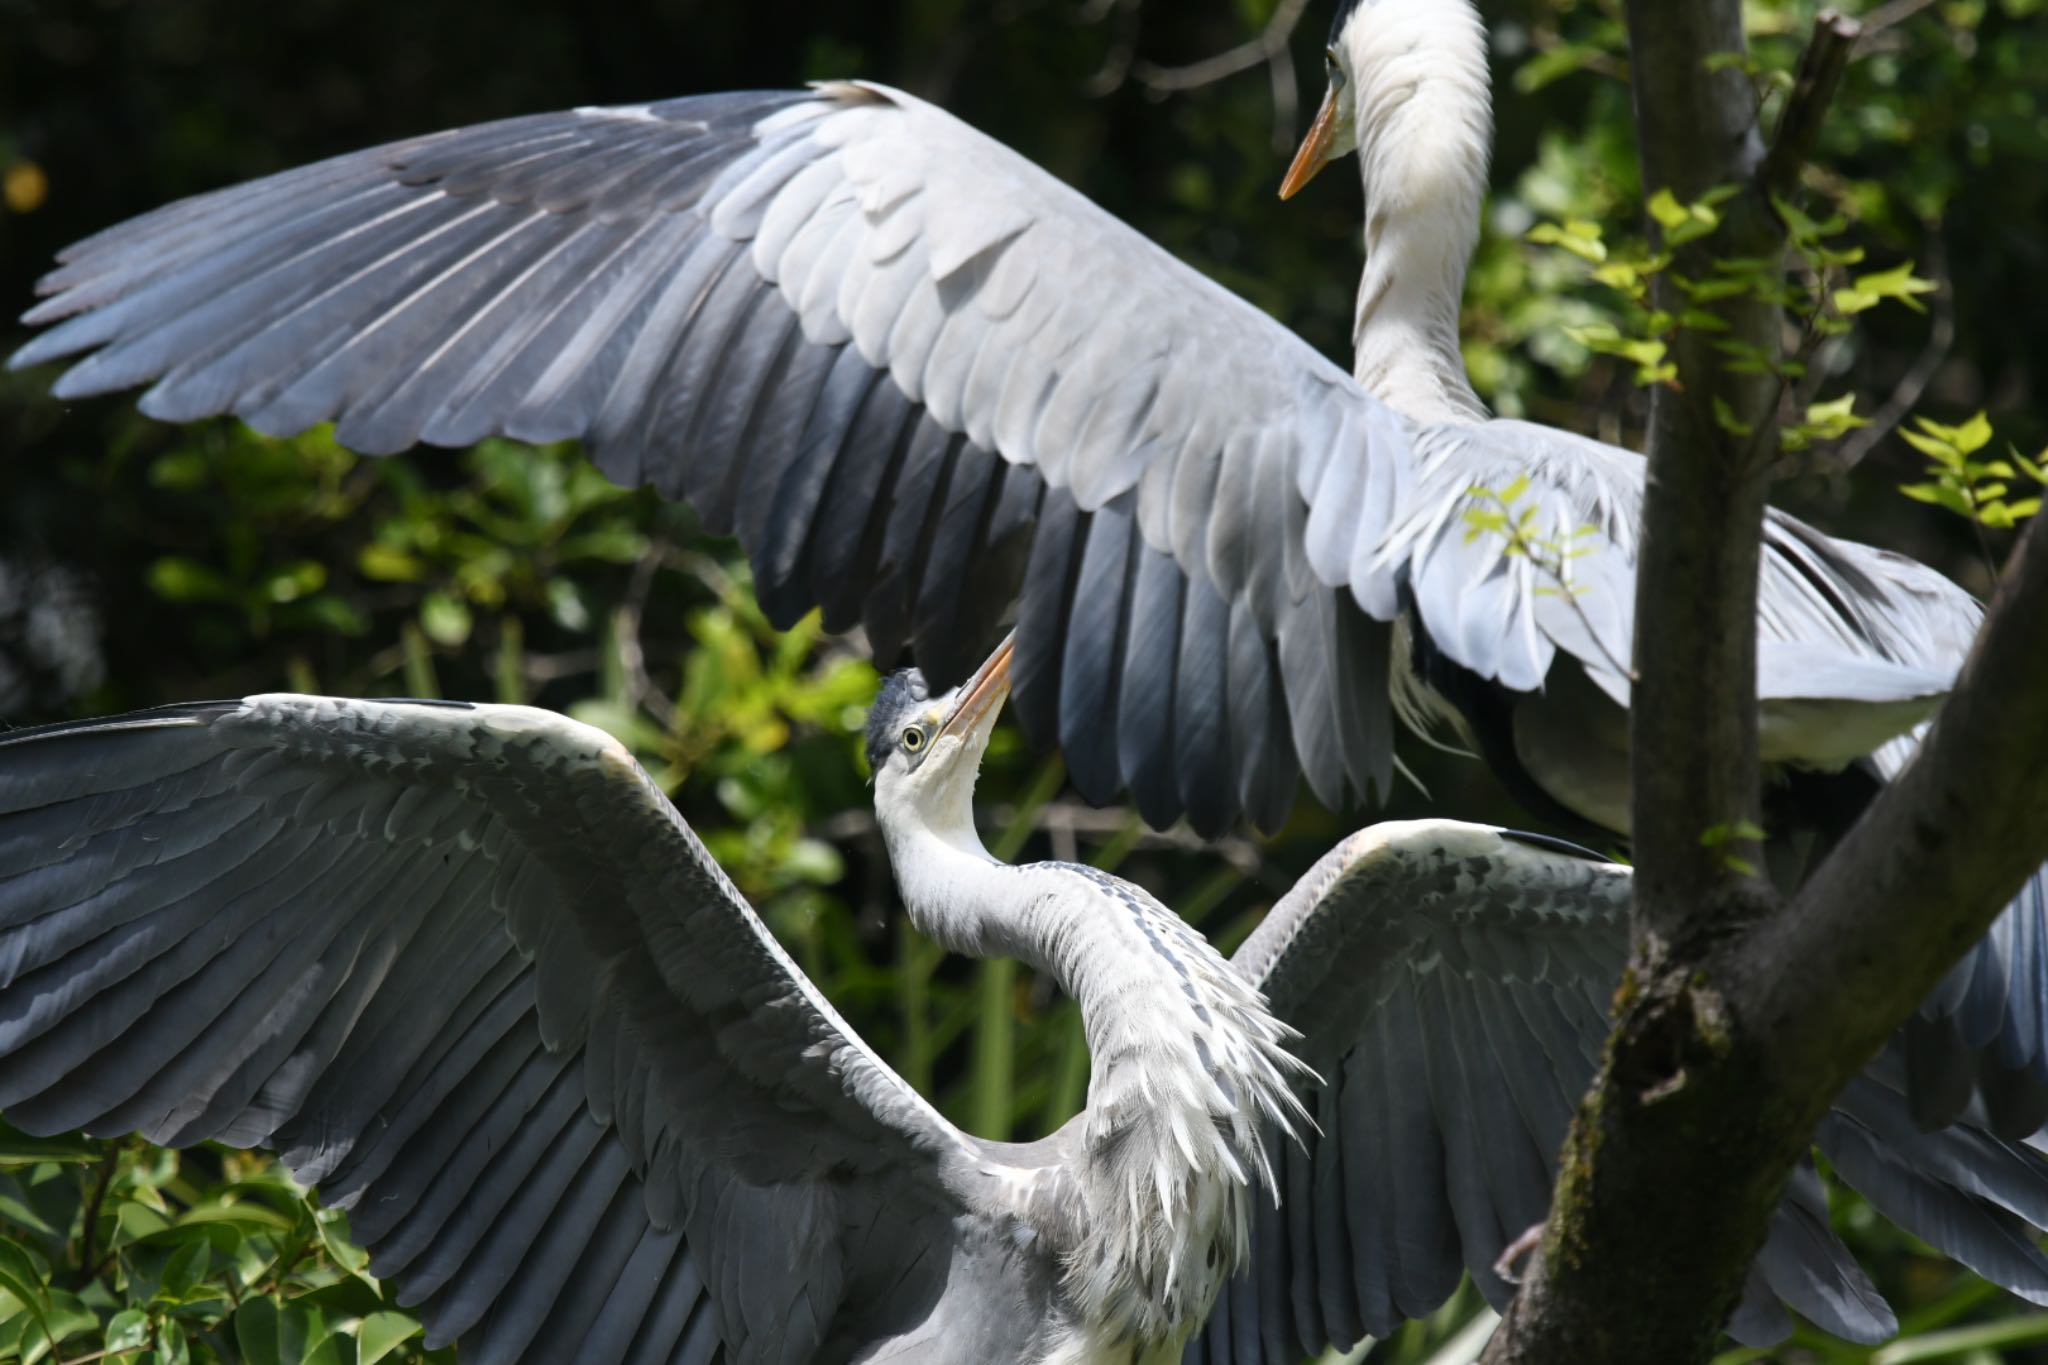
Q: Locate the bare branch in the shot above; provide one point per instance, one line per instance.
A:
(1813, 90)
(1269, 49)
(1891, 15)
(1922, 875)
(1272, 40)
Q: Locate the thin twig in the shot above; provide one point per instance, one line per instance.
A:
(1268, 49)
(1253, 52)
(92, 1209)
(1891, 15)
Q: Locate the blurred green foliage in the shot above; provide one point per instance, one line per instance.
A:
(220, 562)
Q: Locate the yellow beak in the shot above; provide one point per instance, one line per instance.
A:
(983, 692)
(1315, 148)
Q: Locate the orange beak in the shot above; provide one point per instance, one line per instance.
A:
(1315, 148)
(983, 692)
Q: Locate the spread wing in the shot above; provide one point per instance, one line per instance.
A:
(468, 971)
(1835, 620)
(1451, 982)
(916, 375)
(1842, 628)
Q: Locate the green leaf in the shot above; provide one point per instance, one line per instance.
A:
(19, 1149)
(333, 1224)
(178, 579)
(1973, 435)
(1899, 283)
(1665, 208)
(134, 1220)
(1725, 418)
(127, 1330)
(67, 1318)
(289, 1333)
(294, 581)
(243, 1214)
(1979, 1340)
(186, 1268)
(389, 564)
(20, 1277)
(380, 1334)
(1580, 238)
(1941, 495)
(445, 618)
(1934, 447)
(1714, 836)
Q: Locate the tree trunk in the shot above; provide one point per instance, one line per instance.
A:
(1725, 1055)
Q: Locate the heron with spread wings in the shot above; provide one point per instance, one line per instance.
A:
(467, 970)
(922, 380)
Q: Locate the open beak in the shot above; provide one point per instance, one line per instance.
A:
(982, 695)
(1315, 148)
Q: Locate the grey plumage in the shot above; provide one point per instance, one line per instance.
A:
(442, 1007)
(889, 355)
(468, 972)
(919, 378)
(1450, 983)
(852, 332)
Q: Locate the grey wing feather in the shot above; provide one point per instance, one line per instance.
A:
(466, 969)
(1451, 984)
(833, 321)
(1837, 621)
(1855, 647)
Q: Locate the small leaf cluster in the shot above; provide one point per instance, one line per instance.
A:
(1720, 837)
(147, 1256)
(1976, 489)
(1502, 512)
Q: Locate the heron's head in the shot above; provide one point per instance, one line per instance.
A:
(925, 751)
(1408, 93)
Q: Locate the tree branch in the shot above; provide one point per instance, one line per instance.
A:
(1711, 447)
(1813, 90)
(1930, 865)
(1677, 1156)
(1269, 49)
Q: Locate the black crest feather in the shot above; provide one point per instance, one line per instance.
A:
(903, 692)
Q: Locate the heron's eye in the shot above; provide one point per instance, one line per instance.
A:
(913, 739)
(1336, 72)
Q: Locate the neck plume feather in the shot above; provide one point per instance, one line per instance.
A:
(1189, 1075)
(1424, 120)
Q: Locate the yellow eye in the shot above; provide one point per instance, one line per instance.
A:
(913, 739)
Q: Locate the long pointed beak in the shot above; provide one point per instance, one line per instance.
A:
(983, 693)
(1315, 148)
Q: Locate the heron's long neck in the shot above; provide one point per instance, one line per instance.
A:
(1188, 1070)
(1424, 120)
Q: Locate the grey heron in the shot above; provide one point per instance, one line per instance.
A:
(468, 971)
(1543, 696)
(919, 379)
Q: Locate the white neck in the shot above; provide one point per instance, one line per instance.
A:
(1188, 1071)
(1423, 115)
